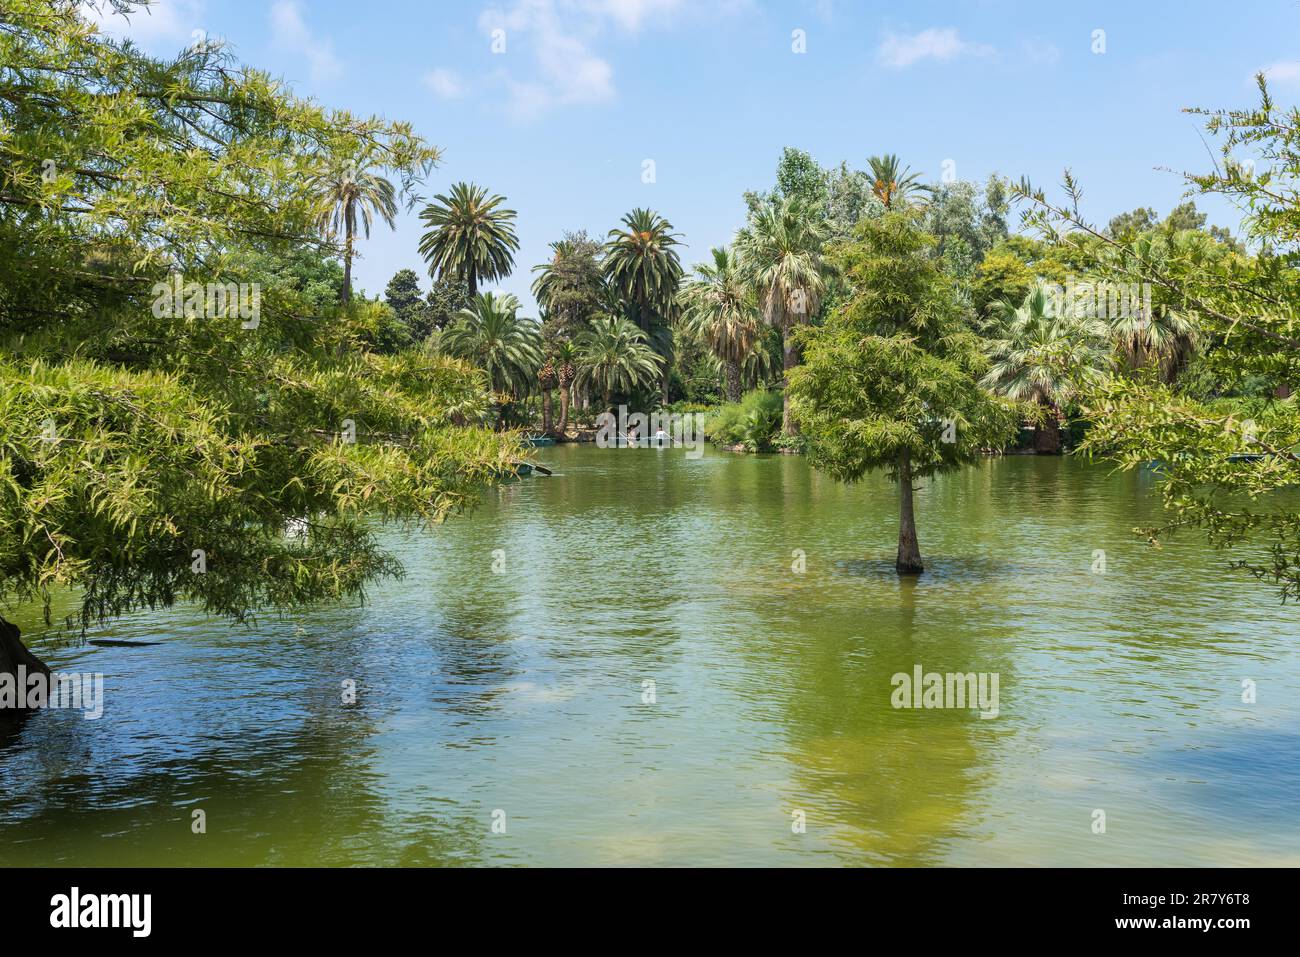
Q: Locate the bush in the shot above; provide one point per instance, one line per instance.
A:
(754, 421)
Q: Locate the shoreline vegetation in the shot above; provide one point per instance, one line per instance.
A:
(234, 451)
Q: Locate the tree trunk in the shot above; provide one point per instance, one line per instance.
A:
(663, 381)
(347, 274)
(14, 653)
(909, 550)
(563, 427)
(732, 369)
(1047, 437)
(788, 425)
(472, 282)
(546, 411)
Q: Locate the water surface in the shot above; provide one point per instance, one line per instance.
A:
(524, 691)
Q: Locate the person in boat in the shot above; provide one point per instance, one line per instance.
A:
(661, 438)
(631, 436)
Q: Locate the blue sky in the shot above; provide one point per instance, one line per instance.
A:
(585, 91)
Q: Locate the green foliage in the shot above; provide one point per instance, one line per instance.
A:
(491, 335)
(469, 236)
(1246, 311)
(643, 269)
(614, 356)
(754, 421)
(570, 286)
(132, 436)
(894, 371)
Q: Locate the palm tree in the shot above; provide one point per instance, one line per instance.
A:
(469, 236)
(718, 307)
(547, 378)
(894, 184)
(566, 370)
(1041, 356)
(490, 335)
(643, 269)
(615, 356)
(349, 192)
(1149, 333)
(781, 250)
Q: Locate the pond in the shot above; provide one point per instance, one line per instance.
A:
(652, 659)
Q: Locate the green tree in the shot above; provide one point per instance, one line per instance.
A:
(781, 252)
(491, 335)
(615, 356)
(718, 308)
(570, 286)
(352, 193)
(404, 298)
(894, 184)
(469, 236)
(643, 270)
(1039, 355)
(891, 381)
(1221, 466)
(154, 451)
(443, 303)
(566, 372)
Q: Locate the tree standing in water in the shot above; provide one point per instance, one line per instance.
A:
(892, 380)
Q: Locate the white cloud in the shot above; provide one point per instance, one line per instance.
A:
(902, 50)
(631, 14)
(567, 71)
(444, 83)
(292, 33)
(1040, 51)
(166, 25)
(1287, 72)
(550, 60)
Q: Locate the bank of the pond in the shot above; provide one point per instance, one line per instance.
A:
(648, 658)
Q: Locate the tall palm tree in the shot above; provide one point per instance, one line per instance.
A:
(566, 370)
(893, 184)
(781, 251)
(643, 269)
(547, 378)
(718, 308)
(469, 236)
(491, 335)
(615, 356)
(1041, 356)
(351, 193)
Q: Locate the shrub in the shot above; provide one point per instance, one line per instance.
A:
(754, 421)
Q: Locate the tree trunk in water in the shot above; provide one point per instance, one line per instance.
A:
(563, 427)
(732, 368)
(1047, 437)
(909, 550)
(546, 411)
(788, 425)
(14, 653)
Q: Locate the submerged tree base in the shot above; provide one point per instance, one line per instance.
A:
(909, 567)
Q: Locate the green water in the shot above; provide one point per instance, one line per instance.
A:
(523, 691)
